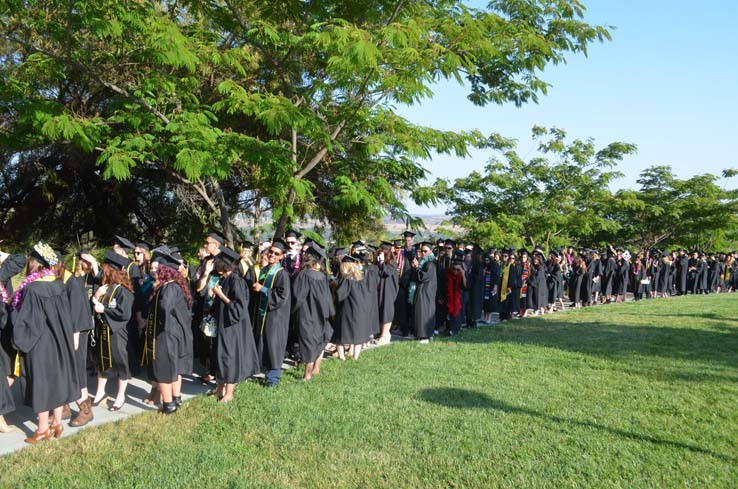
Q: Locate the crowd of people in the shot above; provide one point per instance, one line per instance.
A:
(239, 314)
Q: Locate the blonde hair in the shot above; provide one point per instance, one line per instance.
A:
(351, 270)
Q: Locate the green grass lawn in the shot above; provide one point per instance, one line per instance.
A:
(627, 395)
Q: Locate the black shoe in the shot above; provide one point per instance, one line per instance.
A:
(177, 401)
(168, 407)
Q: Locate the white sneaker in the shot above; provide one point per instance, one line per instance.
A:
(424, 341)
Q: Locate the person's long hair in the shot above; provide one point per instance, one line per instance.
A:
(166, 274)
(389, 257)
(113, 276)
(351, 270)
(33, 265)
(311, 262)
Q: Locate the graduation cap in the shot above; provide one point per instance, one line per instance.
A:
(408, 234)
(450, 242)
(174, 249)
(338, 252)
(124, 243)
(308, 241)
(440, 241)
(426, 243)
(554, 253)
(163, 256)
(216, 236)
(538, 250)
(45, 254)
(316, 250)
(397, 243)
(349, 259)
(229, 255)
(247, 244)
(291, 233)
(523, 251)
(358, 245)
(144, 245)
(280, 244)
(386, 244)
(83, 251)
(116, 261)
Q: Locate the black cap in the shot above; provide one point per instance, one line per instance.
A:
(215, 235)
(229, 255)
(291, 233)
(115, 260)
(124, 243)
(397, 243)
(247, 244)
(83, 251)
(44, 253)
(449, 242)
(426, 243)
(338, 252)
(358, 244)
(408, 234)
(280, 244)
(144, 245)
(350, 259)
(316, 250)
(163, 256)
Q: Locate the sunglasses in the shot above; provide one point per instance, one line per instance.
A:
(425, 251)
(276, 253)
(449, 247)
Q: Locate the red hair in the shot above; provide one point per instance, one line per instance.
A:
(113, 276)
(166, 274)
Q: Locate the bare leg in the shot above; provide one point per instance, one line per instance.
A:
(177, 387)
(357, 351)
(228, 395)
(100, 394)
(166, 392)
(341, 352)
(43, 421)
(316, 365)
(120, 399)
(308, 371)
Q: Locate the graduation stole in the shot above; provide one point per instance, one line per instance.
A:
(128, 269)
(487, 283)
(105, 333)
(453, 292)
(266, 279)
(414, 285)
(151, 323)
(505, 276)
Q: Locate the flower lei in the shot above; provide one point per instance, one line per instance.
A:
(18, 297)
(3, 295)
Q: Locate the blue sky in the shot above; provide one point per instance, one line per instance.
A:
(667, 82)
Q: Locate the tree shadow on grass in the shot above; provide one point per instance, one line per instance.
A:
(466, 399)
(612, 340)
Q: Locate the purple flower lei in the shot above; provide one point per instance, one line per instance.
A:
(18, 297)
(3, 294)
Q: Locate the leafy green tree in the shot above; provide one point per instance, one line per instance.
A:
(557, 198)
(249, 107)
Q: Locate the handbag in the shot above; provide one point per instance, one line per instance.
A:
(208, 326)
(645, 281)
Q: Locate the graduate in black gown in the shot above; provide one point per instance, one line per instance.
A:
(42, 332)
(113, 306)
(578, 272)
(235, 351)
(7, 405)
(246, 265)
(538, 289)
(167, 329)
(404, 255)
(388, 287)
(423, 292)
(272, 312)
(312, 306)
(622, 276)
(10, 266)
(352, 301)
(82, 324)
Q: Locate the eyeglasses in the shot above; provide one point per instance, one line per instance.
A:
(425, 251)
(449, 247)
(276, 253)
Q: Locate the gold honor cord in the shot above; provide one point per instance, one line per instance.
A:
(105, 336)
(153, 327)
(266, 309)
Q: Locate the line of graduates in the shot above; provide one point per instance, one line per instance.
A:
(240, 314)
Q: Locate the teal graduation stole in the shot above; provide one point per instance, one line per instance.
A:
(266, 278)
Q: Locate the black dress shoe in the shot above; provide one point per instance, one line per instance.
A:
(177, 400)
(168, 407)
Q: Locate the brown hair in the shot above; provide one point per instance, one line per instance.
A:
(351, 270)
(113, 276)
(33, 265)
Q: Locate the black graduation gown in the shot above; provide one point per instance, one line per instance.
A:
(553, 280)
(702, 275)
(662, 277)
(235, 351)
(425, 299)
(388, 286)
(608, 276)
(82, 323)
(682, 267)
(272, 330)
(638, 275)
(514, 283)
(402, 307)
(166, 336)
(111, 331)
(620, 283)
(443, 264)
(6, 396)
(491, 274)
(352, 322)
(312, 305)
(247, 272)
(575, 284)
(537, 289)
(371, 282)
(42, 332)
(11, 267)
